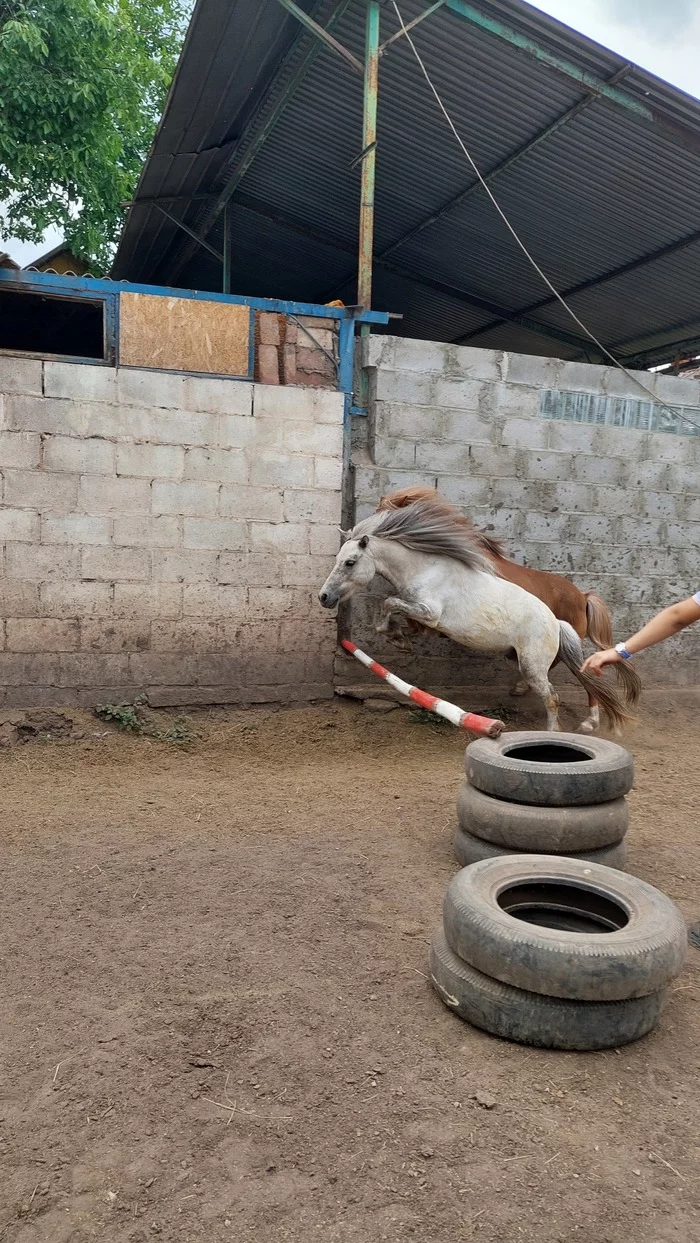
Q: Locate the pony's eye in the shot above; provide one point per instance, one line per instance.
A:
(351, 561)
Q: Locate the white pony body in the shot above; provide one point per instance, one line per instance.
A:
(442, 580)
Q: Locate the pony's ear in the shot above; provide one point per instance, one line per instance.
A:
(344, 534)
(364, 541)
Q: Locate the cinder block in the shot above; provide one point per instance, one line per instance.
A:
(269, 327)
(29, 669)
(272, 469)
(151, 461)
(21, 375)
(148, 532)
(591, 528)
(41, 635)
(656, 476)
(324, 541)
(277, 603)
(387, 451)
(659, 505)
(237, 432)
(493, 460)
(407, 422)
(211, 395)
(116, 564)
(180, 565)
(220, 534)
(195, 638)
(95, 669)
(325, 440)
(19, 450)
(162, 669)
(582, 377)
(115, 636)
(654, 562)
(676, 390)
(443, 457)
(152, 602)
(75, 529)
(618, 442)
(603, 470)
(297, 405)
(512, 400)
(467, 492)
(328, 473)
(524, 434)
(86, 457)
(19, 524)
(463, 394)
(531, 370)
(637, 532)
(517, 494)
(220, 465)
(282, 537)
(214, 600)
(75, 599)
(250, 569)
(267, 370)
(192, 499)
(576, 498)
(39, 414)
(258, 504)
(303, 571)
(571, 437)
(38, 563)
(137, 387)
(415, 388)
(556, 467)
(100, 495)
(39, 490)
(311, 506)
(79, 382)
(502, 524)
(19, 599)
(545, 528)
(315, 361)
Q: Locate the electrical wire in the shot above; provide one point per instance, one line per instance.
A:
(604, 350)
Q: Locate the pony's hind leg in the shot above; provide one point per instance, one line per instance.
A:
(592, 722)
(537, 679)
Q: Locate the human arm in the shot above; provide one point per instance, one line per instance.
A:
(666, 623)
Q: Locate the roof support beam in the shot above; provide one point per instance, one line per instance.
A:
(503, 167)
(259, 208)
(322, 34)
(678, 134)
(409, 26)
(234, 172)
(634, 264)
(190, 232)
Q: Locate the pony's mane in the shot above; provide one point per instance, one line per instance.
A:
(424, 526)
(409, 496)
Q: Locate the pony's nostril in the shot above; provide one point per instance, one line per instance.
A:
(323, 597)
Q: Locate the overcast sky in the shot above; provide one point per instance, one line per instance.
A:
(660, 35)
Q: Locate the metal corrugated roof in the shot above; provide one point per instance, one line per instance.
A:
(607, 202)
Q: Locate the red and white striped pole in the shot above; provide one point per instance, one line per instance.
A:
(457, 716)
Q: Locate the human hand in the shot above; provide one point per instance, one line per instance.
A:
(597, 662)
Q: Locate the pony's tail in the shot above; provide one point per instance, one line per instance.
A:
(571, 652)
(600, 632)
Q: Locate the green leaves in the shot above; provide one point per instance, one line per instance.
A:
(83, 86)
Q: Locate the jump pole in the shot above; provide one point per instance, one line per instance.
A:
(456, 716)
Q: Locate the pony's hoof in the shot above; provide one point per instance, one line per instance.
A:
(520, 688)
(586, 727)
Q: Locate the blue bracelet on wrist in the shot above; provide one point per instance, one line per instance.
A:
(622, 651)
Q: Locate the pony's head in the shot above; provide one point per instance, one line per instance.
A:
(354, 569)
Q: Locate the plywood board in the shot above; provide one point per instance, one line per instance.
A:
(184, 334)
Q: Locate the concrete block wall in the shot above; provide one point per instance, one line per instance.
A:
(164, 533)
(614, 509)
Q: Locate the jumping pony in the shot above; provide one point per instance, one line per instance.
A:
(443, 580)
(585, 611)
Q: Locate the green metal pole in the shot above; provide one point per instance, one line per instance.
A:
(226, 274)
(369, 157)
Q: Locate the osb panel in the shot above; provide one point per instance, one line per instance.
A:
(183, 334)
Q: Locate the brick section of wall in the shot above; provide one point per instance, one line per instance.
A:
(165, 534)
(299, 351)
(615, 510)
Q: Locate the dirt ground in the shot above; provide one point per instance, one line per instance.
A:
(216, 1023)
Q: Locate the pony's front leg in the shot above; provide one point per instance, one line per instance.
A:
(417, 610)
(391, 627)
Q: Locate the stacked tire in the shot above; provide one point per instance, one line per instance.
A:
(544, 793)
(556, 952)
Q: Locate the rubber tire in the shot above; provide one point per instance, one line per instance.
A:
(634, 961)
(529, 1018)
(470, 849)
(605, 774)
(549, 830)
